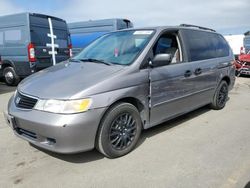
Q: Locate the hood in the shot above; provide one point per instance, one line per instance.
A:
(66, 79)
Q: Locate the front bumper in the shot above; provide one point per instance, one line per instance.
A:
(55, 132)
(245, 71)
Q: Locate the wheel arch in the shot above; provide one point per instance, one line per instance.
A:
(131, 100)
(227, 79)
(7, 63)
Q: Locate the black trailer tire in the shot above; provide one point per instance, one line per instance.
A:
(119, 130)
(10, 76)
(220, 97)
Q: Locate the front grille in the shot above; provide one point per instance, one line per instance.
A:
(23, 101)
(26, 133)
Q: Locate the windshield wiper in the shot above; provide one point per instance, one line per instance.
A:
(95, 61)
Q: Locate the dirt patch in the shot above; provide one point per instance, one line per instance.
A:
(17, 181)
(20, 164)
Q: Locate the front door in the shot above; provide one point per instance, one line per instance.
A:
(171, 86)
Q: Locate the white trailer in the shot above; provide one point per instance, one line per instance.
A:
(235, 42)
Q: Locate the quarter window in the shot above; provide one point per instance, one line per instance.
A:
(13, 35)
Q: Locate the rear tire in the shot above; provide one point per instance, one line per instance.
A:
(10, 76)
(220, 96)
(119, 130)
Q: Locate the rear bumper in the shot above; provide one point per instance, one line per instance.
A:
(55, 132)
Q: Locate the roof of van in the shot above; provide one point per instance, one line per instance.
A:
(101, 20)
(32, 14)
(95, 22)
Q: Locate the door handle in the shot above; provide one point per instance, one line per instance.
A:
(188, 73)
(198, 71)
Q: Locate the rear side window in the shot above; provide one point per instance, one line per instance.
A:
(12, 37)
(204, 45)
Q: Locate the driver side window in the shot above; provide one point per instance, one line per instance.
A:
(168, 44)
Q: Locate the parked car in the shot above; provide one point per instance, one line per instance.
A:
(242, 63)
(31, 42)
(83, 33)
(123, 82)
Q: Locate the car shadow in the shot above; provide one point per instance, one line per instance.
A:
(247, 185)
(83, 157)
(171, 124)
(244, 76)
(94, 155)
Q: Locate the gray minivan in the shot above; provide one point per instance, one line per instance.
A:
(30, 42)
(121, 83)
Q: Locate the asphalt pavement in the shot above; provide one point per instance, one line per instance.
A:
(205, 148)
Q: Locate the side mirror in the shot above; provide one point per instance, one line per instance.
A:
(161, 60)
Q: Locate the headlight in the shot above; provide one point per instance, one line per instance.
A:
(64, 107)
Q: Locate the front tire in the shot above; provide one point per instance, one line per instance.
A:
(10, 76)
(119, 130)
(220, 96)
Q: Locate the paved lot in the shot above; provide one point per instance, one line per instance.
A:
(204, 148)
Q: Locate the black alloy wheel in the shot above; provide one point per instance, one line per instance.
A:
(122, 131)
(119, 130)
(221, 96)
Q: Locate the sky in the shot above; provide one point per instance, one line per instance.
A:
(225, 16)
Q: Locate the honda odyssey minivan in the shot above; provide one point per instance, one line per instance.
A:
(120, 84)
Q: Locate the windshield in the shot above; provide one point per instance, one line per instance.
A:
(117, 48)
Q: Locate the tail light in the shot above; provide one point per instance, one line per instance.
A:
(31, 52)
(70, 50)
(242, 50)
